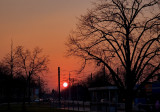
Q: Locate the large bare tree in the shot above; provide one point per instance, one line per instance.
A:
(121, 34)
(31, 64)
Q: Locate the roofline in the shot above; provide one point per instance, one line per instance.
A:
(103, 88)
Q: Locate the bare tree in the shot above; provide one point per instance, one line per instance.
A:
(8, 61)
(121, 34)
(30, 63)
(98, 79)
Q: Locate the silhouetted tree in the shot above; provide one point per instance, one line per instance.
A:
(121, 34)
(10, 86)
(98, 79)
(30, 63)
(78, 91)
(8, 62)
(4, 84)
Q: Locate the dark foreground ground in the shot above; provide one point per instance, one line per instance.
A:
(34, 107)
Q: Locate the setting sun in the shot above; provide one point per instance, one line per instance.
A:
(65, 84)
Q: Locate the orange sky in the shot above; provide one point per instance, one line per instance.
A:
(43, 23)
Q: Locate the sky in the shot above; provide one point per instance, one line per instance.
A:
(42, 23)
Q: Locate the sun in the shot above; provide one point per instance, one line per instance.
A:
(65, 84)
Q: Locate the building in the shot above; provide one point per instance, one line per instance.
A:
(104, 99)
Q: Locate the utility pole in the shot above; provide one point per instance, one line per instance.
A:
(9, 92)
(91, 77)
(11, 61)
(39, 84)
(59, 96)
(69, 87)
(104, 73)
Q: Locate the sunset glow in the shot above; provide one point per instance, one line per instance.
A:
(85, 55)
(42, 23)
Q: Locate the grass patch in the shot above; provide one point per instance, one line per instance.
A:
(31, 108)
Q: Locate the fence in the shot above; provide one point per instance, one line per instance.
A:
(88, 106)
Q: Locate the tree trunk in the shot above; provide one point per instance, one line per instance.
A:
(9, 107)
(24, 100)
(23, 105)
(129, 101)
(29, 90)
(9, 93)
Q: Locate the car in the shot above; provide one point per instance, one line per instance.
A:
(36, 100)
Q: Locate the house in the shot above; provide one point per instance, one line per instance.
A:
(104, 98)
(104, 94)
